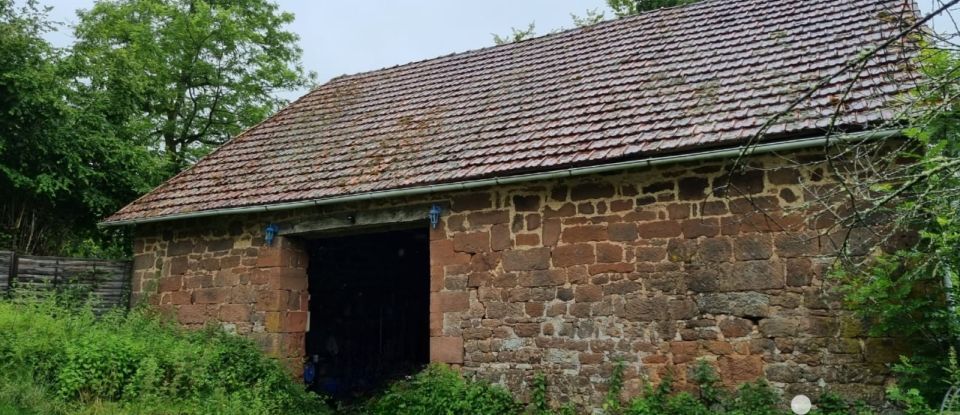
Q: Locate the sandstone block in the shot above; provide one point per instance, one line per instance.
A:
(471, 242)
(650, 254)
(682, 309)
(779, 327)
(695, 228)
(684, 351)
(783, 372)
(446, 350)
(739, 183)
(180, 248)
(526, 203)
(735, 370)
(449, 301)
(585, 191)
(526, 259)
(551, 232)
(564, 211)
(211, 296)
(500, 237)
(659, 229)
(471, 201)
(169, 284)
(542, 278)
(621, 205)
(792, 245)
(192, 314)
(692, 188)
(144, 261)
(271, 300)
(751, 275)
(736, 327)
(745, 304)
(234, 313)
(585, 233)
(799, 272)
(295, 321)
(624, 231)
(576, 254)
(179, 297)
(645, 309)
(753, 246)
(609, 253)
(716, 249)
(442, 253)
(588, 293)
(677, 211)
(681, 250)
(488, 217)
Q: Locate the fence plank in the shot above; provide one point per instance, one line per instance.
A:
(6, 268)
(39, 276)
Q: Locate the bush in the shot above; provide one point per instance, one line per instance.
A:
(754, 398)
(57, 360)
(440, 390)
(65, 361)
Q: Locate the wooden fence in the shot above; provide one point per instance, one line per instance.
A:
(24, 276)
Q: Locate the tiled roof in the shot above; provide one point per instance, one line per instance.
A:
(709, 74)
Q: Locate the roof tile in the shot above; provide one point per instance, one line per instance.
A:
(672, 80)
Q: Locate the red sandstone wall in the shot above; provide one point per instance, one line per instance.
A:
(657, 268)
(223, 272)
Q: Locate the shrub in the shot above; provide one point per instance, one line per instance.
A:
(58, 360)
(440, 390)
(755, 398)
(66, 361)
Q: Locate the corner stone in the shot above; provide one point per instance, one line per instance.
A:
(446, 350)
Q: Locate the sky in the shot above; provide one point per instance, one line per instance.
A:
(344, 37)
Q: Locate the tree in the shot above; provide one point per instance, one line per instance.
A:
(183, 76)
(590, 18)
(623, 8)
(61, 168)
(620, 8)
(516, 35)
(891, 211)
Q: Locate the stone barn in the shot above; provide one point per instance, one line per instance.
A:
(552, 205)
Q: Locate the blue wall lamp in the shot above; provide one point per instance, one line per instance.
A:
(435, 215)
(270, 233)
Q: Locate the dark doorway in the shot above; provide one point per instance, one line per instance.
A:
(370, 304)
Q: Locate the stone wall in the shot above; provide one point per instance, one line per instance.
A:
(657, 268)
(200, 272)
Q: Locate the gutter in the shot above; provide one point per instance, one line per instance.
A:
(520, 178)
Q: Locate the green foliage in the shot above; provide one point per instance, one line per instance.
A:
(911, 401)
(590, 18)
(623, 8)
(538, 400)
(620, 8)
(708, 383)
(66, 361)
(441, 390)
(830, 403)
(186, 75)
(149, 87)
(611, 403)
(61, 169)
(657, 400)
(756, 398)
(516, 35)
(911, 293)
